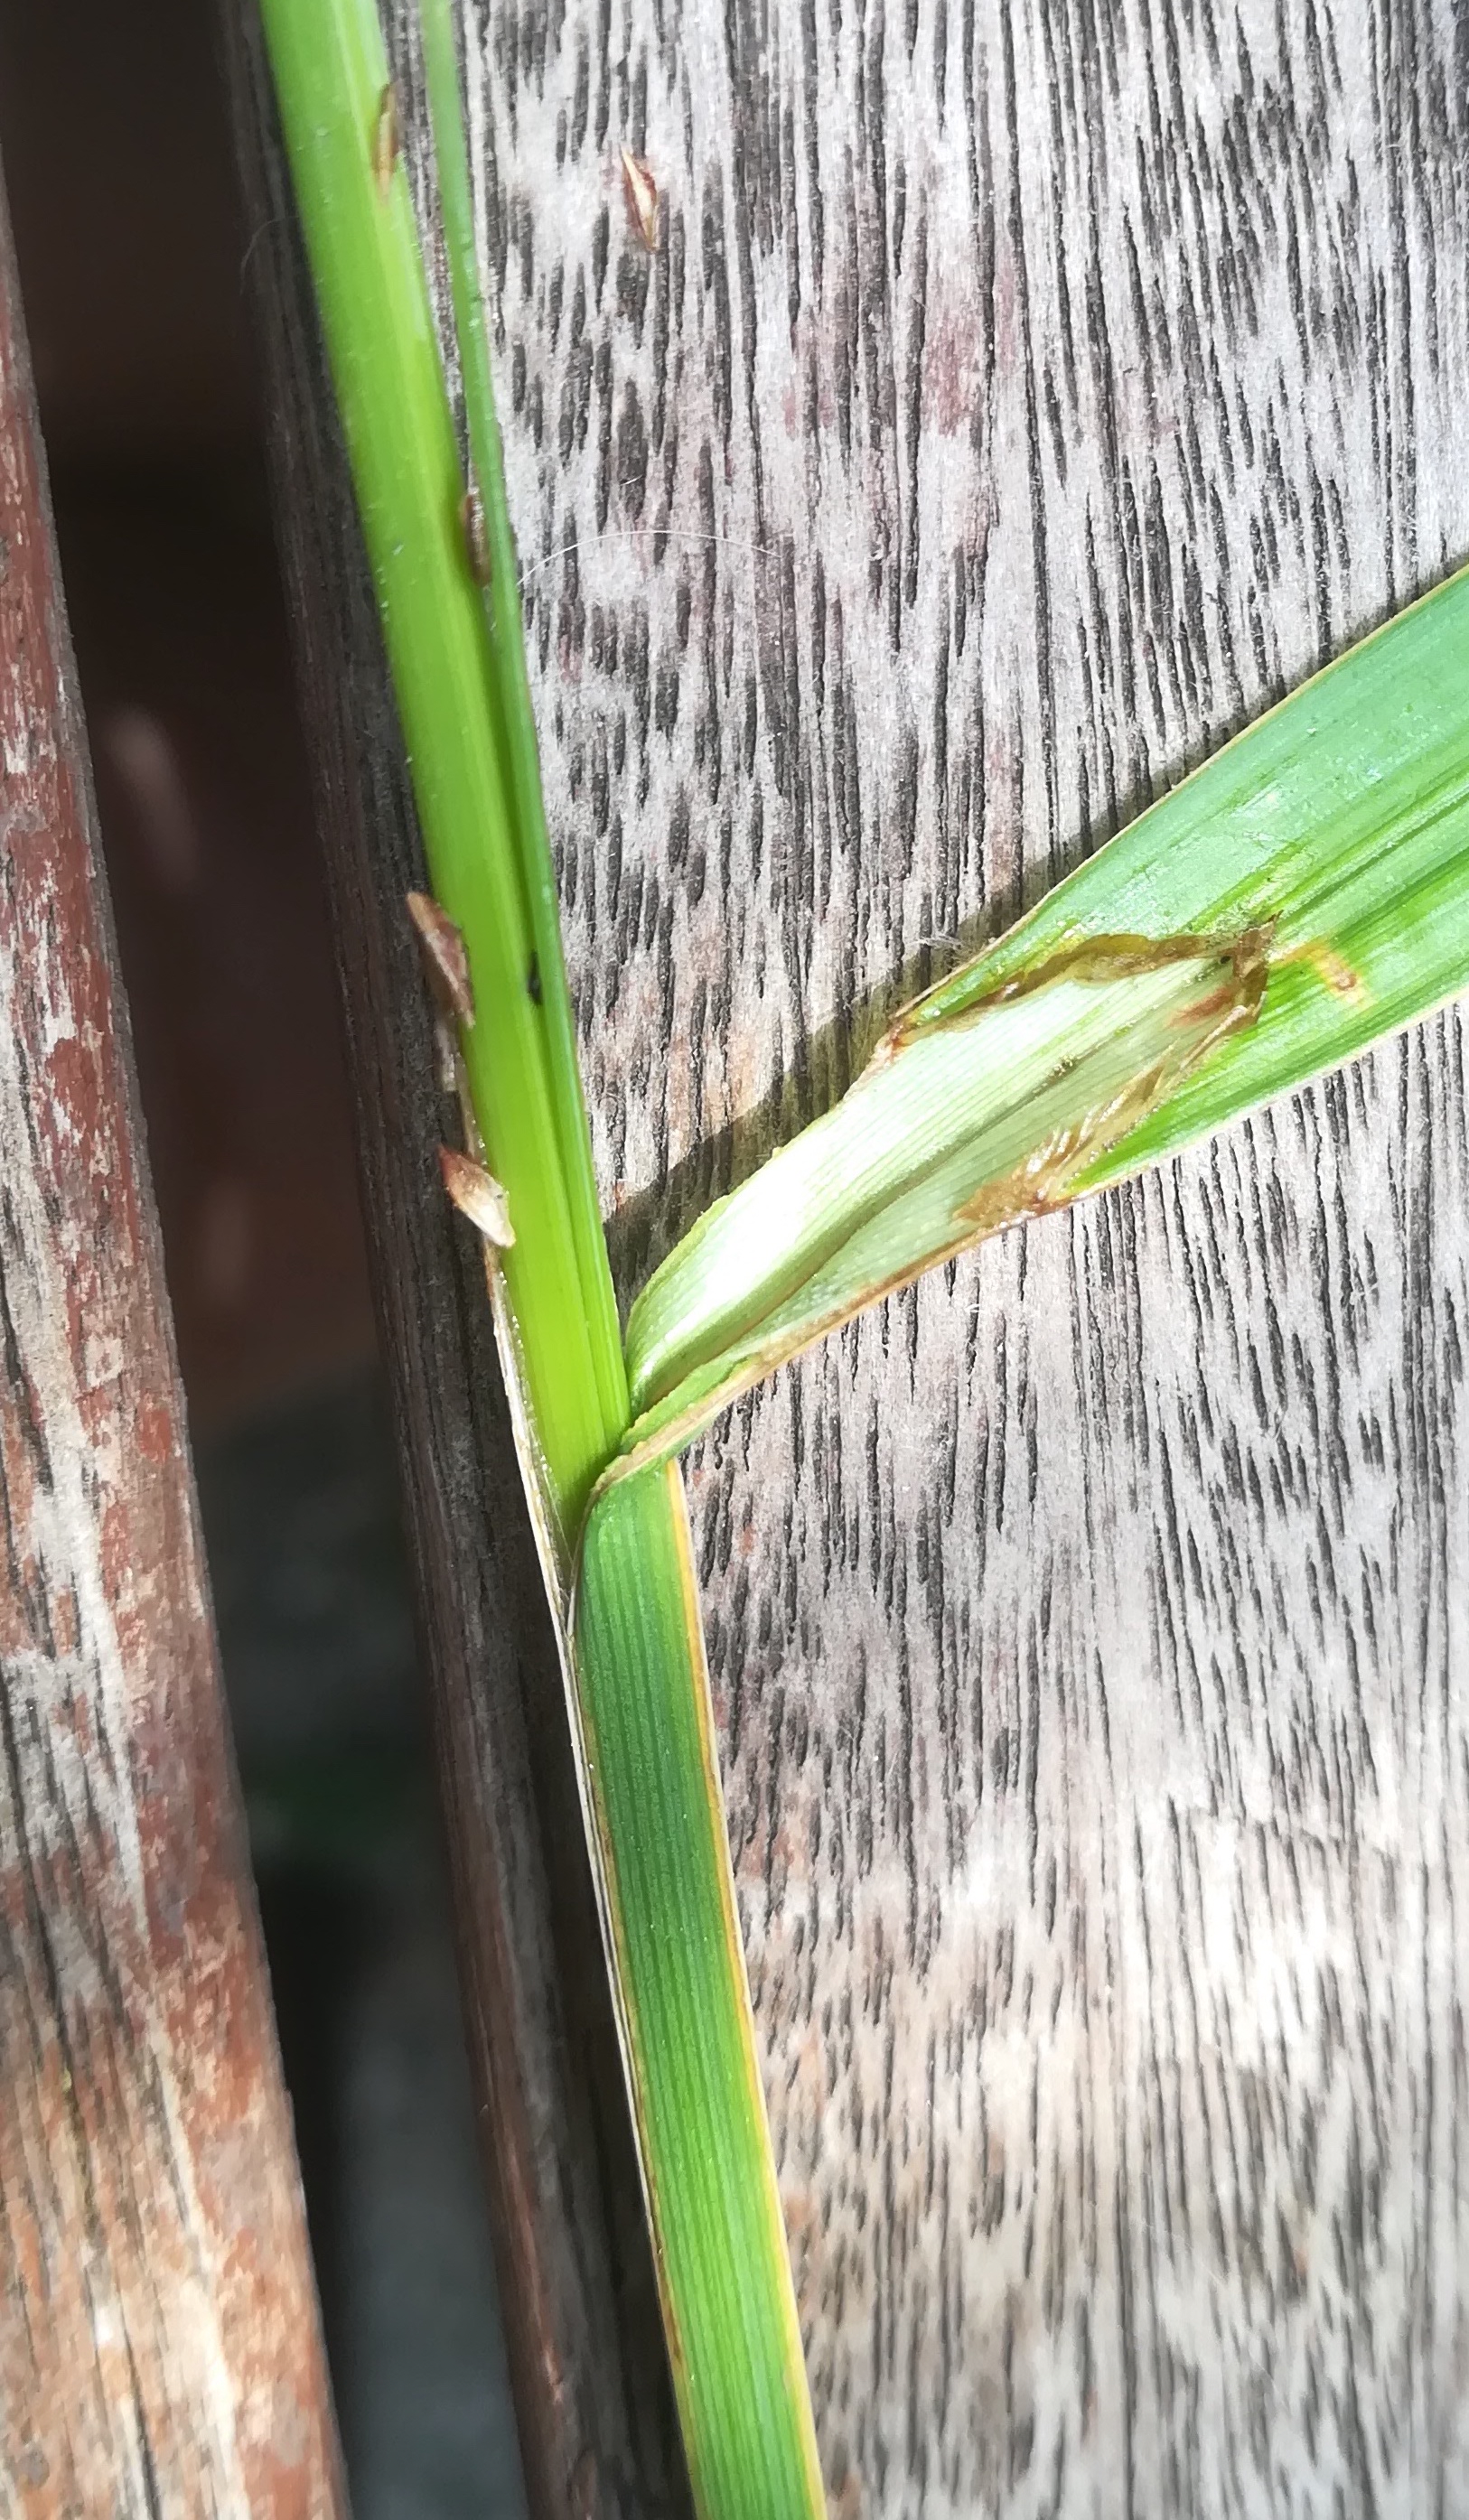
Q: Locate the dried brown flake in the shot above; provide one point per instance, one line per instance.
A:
(445, 1053)
(640, 185)
(445, 960)
(477, 1195)
(476, 534)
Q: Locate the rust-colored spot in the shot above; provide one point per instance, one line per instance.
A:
(477, 1195)
(445, 957)
(154, 1432)
(640, 185)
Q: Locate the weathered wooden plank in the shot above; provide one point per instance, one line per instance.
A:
(159, 2339)
(1018, 399)
(576, 2289)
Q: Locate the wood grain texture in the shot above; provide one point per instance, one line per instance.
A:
(159, 2352)
(1020, 397)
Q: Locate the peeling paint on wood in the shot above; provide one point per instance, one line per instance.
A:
(159, 2352)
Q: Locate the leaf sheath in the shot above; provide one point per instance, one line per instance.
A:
(657, 1818)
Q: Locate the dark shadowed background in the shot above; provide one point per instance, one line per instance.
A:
(117, 161)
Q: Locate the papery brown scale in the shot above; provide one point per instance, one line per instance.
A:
(445, 960)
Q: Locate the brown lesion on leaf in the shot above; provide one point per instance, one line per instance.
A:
(1047, 1178)
(475, 532)
(1331, 969)
(1227, 1000)
(1245, 958)
(1126, 957)
(386, 139)
(1223, 997)
(1093, 960)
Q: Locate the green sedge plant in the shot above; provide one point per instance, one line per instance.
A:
(1304, 893)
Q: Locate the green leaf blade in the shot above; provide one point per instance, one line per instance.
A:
(659, 1831)
(1326, 812)
(882, 1183)
(1329, 846)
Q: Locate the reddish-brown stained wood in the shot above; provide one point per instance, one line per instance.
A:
(159, 2350)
